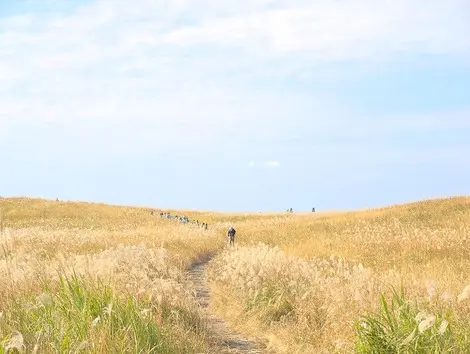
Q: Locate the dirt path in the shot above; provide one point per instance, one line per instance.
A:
(230, 341)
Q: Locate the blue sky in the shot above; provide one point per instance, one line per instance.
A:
(256, 105)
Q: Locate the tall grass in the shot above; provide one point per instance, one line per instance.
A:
(303, 281)
(91, 278)
(306, 283)
(76, 315)
(401, 326)
(303, 303)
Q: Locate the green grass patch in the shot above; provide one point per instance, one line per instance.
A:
(75, 315)
(400, 326)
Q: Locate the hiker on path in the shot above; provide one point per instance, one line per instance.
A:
(231, 235)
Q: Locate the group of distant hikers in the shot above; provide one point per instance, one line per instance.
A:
(183, 219)
(290, 210)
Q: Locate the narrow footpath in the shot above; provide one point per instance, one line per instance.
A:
(230, 341)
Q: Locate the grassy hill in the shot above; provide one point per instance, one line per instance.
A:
(302, 282)
(87, 258)
(314, 276)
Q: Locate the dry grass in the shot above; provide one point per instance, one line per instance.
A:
(123, 255)
(300, 281)
(303, 281)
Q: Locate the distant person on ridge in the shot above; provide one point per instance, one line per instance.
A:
(231, 235)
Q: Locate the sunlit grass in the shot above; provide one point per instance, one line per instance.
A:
(76, 315)
(82, 259)
(305, 283)
(401, 327)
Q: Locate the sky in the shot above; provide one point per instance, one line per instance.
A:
(248, 105)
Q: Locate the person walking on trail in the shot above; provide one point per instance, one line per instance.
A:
(231, 235)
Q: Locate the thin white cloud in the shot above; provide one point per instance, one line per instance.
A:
(251, 164)
(272, 164)
(127, 77)
(339, 30)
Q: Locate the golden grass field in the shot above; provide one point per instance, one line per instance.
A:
(94, 278)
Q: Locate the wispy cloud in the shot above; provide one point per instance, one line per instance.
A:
(266, 164)
(124, 77)
(337, 30)
(272, 164)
